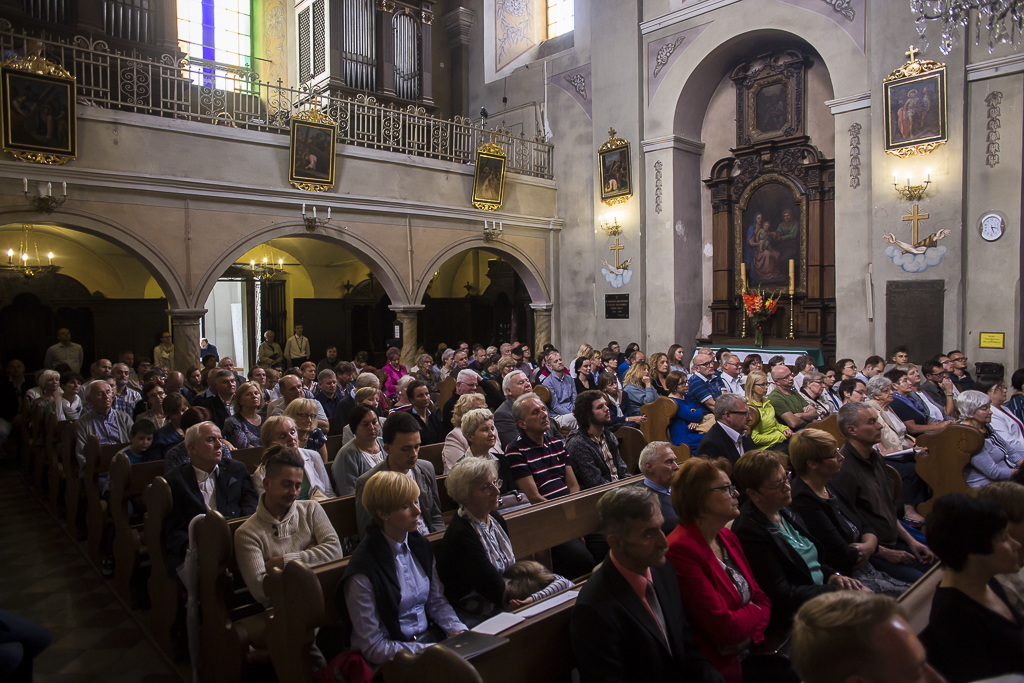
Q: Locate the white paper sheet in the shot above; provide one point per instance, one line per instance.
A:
(499, 623)
(545, 605)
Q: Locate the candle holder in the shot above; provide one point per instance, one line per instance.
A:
(912, 192)
(46, 203)
(312, 222)
(790, 315)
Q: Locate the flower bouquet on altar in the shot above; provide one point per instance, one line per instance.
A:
(760, 307)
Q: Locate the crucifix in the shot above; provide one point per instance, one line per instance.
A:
(916, 217)
(616, 248)
(912, 54)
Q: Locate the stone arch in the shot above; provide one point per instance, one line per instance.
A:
(682, 99)
(155, 262)
(378, 263)
(524, 266)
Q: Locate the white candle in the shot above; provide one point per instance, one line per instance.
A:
(303, 210)
(65, 189)
(314, 213)
(49, 189)
(25, 180)
(328, 213)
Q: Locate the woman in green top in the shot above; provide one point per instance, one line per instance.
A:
(767, 433)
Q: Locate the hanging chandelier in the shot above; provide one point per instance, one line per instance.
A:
(18, 262)
(1003, 20)
(267, 268)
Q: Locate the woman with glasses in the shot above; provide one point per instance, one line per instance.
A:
(243, 428)
(783, 555)
(752, 363)
(725, 607)
(683, 427)
(816, 393)
(851, 390)
(995, 461)
(281, 430)
(303, 412)
(847, 541)
(476, 548)
(894, 433)
(768, 433)
(905, 404)
(1004, 425)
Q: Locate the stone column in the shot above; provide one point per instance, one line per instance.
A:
(457, 25)
(541, 326)
(409, 317)
(185, 335)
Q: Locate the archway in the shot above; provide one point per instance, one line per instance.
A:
(529, 272)
(108, 298)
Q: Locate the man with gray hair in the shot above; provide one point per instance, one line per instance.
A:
(291, 389)
(515, 384)
(222, 387)
(728, 437)
(628, 623)
(466, 382)
(125, 397)
(705, 385)
(731, 374)
(658, 464)
(109, 425)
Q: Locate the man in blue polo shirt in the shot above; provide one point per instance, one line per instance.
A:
(705, 385)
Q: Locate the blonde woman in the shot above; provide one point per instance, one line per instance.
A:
(768, 433)
(637, 389)
(303, 412)
(658, 366)
(455, 444)
(584, 351)
(281, 430)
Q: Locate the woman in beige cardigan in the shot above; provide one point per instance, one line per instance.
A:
(894, 432)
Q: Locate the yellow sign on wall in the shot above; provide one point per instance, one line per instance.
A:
(991, 340)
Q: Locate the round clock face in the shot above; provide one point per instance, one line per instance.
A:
(991, 227)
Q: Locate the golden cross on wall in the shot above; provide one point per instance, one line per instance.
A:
(912, 54)
(915, 218)
(616, 248)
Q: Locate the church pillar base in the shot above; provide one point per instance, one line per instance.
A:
(185, 335)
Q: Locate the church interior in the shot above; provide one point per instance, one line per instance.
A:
(418, 173)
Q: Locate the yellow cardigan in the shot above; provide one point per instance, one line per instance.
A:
(768, 431)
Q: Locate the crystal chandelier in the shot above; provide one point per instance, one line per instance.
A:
(23, 267)
(1003, 19)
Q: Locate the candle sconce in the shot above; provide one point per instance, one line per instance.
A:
(912, 192)
(46, 203)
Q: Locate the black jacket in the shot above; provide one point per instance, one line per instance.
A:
(717, 444)
(235, 497)
(463, 565)
(824, 519)
(780, 572)
(218, 410)
(668, 513)
(587, 460)
(616, 640)
(431, 429)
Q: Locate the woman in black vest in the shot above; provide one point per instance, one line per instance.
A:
(392, 594)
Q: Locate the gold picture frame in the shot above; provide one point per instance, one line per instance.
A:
(615, 169)
(489, 177)
(312, 151)
(39, 117)
(771, 197)
(915, 111)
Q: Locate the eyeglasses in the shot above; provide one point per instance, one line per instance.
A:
(306, 416)
(781, 486)
(760, 384)
(496, 484)
(737, 412)
(958, 359)
(703, 365)
(731, 489)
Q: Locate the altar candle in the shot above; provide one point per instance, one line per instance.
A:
(792, 278)
(49, 189)
(743, 276)
(25, 180)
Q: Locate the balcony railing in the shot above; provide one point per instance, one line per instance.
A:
(208, 92)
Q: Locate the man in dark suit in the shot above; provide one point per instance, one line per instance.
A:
(206, 483)
(728, 437)
(628, 624)
(222, 385)
(658, 464)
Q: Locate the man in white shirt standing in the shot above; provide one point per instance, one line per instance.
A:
(64, 351)
(296, 349)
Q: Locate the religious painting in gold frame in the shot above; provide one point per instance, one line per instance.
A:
(914, 97)
(615, 170)
(39, 118)
(311, 152)
(489, 178)
(769, 229)
(770, 95)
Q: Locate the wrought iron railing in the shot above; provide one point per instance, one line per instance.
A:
(209, 92)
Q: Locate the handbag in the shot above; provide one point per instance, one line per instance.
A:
(513, 501)
(706, 424)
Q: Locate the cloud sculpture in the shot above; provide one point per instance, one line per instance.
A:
(916, 263)
(617, 280)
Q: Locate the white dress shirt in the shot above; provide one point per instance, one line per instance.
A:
(734, 436)
(208, 486)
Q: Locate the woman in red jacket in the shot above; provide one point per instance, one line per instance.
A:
(726, 609)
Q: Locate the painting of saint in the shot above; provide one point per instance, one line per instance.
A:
(771, 235)
(616, 176)
(771, 108)
(488, 183)
(313, 152)
(38, 114)
(915, 110)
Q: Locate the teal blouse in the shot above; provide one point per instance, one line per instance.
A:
(804, 548)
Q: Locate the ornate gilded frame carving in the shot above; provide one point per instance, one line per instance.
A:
(770, 97)
(312, 151)
(39, 117)
(615, 170)
(739, 229)
(916, 89)
(489, 177)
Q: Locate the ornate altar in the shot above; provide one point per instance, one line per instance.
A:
(773, 212)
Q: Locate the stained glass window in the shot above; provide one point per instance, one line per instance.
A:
(219, 33)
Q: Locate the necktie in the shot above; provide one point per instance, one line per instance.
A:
(652, 602)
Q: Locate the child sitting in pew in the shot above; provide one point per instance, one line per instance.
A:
(528, 581)
(140, 439)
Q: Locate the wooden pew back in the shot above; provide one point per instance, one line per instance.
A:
(831, 425)
(250, 457)
(97, 462)
(163, 590)
(543, 393)
(631, 443)
(949, 450)
(432, 454)
(659, 416)
(127, 480)
(445, 389)
(58, 435)
(916, 602)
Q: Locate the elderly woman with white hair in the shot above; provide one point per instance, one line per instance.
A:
(476, 547)
(995, 461)
(482, 437)
(456, 443)
(281, 430)
(894, 431)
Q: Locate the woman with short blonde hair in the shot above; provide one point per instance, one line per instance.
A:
(456, 444)
(768, 432)
(281, 430)
(304, 411)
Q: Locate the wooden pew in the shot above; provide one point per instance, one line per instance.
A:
(165, 593)
(250, 457)
(432, 454)
(432, 664)
(916, 602)
(37, 445)
(659, 416)
(127, 480)
(334, 443)
(831, 425)
(445, 389)
(543, 393)
(754, 419)
(59, 435)
(531, 530)
(72, 488)
(631, 443)
(949, 450)
(97, 462)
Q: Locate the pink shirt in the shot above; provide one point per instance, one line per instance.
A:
(639, 585)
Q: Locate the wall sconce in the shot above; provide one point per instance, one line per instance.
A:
(610, 225)
(47, 203)
(911, 192)
(493, 231)
(312, 222)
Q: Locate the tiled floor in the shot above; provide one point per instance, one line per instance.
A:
(45, 577)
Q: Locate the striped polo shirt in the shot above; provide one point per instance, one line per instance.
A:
(544, 462)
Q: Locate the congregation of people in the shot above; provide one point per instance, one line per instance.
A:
(772, 554)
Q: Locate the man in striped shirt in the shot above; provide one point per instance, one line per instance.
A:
(538, 462)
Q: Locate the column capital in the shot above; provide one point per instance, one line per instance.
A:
(408, 310)
(457, 25)
(542, 308)
(186, 312)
